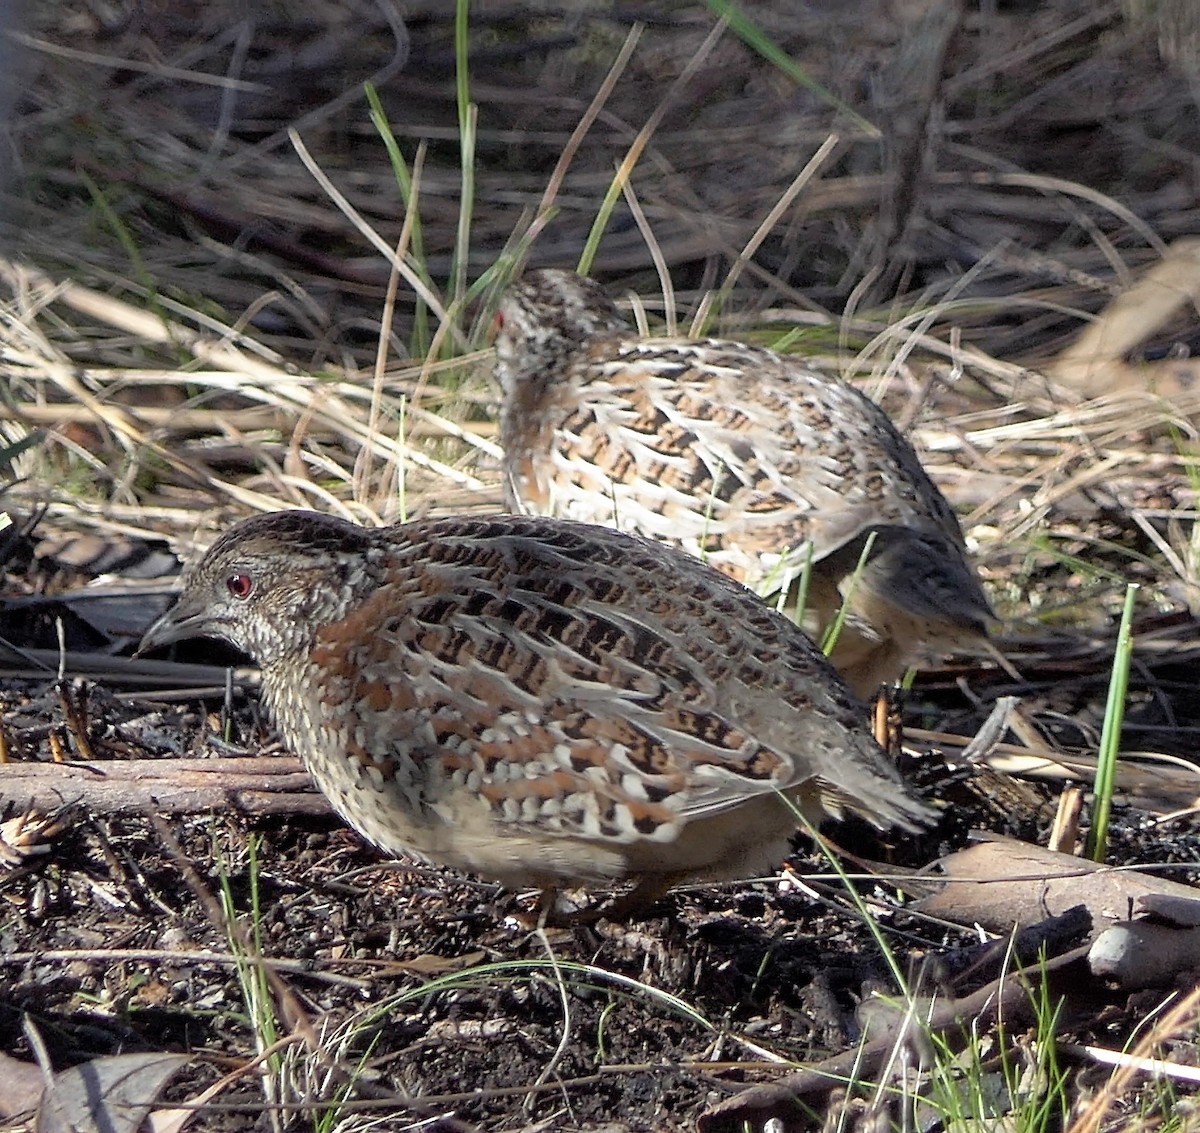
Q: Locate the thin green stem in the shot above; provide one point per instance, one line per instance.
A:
(753, 36)
(467, 115)
(1110, 735)
(416, 240)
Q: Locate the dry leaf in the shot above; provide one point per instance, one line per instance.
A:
(24, 1083)
(106, 1095)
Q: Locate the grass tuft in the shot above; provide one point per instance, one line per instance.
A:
(1110, 737)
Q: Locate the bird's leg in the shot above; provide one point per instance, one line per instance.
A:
(635, 904)
(547, 908)
(551, 912)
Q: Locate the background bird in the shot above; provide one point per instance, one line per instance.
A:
(749, 460)
(539, 702)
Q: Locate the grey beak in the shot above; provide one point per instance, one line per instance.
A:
(177, 624)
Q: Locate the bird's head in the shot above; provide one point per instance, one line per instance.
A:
(544, 318)
(266, 585)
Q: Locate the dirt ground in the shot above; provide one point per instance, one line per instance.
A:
(432, 981)
(430, 993)
(997, 175)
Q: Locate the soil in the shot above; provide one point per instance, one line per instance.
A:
(430, 992)
(407, 998)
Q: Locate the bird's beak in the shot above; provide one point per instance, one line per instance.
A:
(178, 623)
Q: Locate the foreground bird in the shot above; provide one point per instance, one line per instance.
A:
(539, 702)
(747, 459)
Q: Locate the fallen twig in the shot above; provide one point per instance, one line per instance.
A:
(250, 785)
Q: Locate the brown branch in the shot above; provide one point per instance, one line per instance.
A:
(250, 785)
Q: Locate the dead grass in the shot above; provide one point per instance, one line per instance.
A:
(197, 329)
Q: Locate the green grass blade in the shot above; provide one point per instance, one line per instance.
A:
(467, 116)
(592, 245)
(416, 240)
(633, 155)
(753, 36)
(830, 640)
(802, 585)
(1110, 735)
(138, 265)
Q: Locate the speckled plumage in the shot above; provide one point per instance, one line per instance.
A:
(537, 701)
(749, 460)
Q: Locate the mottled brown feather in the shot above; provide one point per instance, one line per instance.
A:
(539, 701)
(752, 461)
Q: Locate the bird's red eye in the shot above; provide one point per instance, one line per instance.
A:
(239, 585)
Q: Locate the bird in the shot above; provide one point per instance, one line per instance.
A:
(539, 702)
(767, 469)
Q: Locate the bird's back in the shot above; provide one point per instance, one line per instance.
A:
(594, 663)
(748, 460)
(757, 463)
